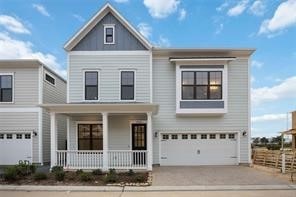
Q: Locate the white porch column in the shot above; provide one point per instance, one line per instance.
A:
(105, 141)
(149, 141)
(53, 139)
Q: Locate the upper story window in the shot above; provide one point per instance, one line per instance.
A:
(50, 79)
(6, 83)
(127, 85)
(91, 85)
(201, 85)
(109, 34)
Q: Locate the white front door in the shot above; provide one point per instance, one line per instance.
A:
(15, 147)
(198, 149)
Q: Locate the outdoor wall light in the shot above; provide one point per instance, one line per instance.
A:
(34, 133)
(155, 134)
(244, 133)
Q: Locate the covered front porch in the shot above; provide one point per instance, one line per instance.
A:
(103, 136)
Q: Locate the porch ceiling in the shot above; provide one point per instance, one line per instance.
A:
(102, 107)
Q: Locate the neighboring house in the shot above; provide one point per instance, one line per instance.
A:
(292, 131)
(131, 105)
(25, 126)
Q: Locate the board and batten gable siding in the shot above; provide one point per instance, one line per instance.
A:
(54, 93)
(236, 119)
(94, 40)
(109, 67)
(26, 86)
(22, 122)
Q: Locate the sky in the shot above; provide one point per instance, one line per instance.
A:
(39, 29)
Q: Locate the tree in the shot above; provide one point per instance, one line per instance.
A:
(264, 140)
(256, 140)
(277, 140)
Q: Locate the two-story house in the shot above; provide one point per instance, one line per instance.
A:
(24, 125)
(131, 105)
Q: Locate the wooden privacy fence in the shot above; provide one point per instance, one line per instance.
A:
(286, 161)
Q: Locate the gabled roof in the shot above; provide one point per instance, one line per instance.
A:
(95, 19)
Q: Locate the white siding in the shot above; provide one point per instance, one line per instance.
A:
(109, 77)
(54, 93)
(12, 122)
(25, 86)
(164, 94)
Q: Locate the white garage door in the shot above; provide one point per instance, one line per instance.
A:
(15, 147)
(198, 149)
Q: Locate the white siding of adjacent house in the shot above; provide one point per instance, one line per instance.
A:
(109, 67)
(25, 86)
(164, 94)
(53, 94)
(20, 122)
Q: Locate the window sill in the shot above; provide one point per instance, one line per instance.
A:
(201, 112)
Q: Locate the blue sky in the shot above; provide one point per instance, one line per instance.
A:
(39, 29)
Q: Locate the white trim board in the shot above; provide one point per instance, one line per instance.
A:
(139, 52)
(112, 26)
(20, 109)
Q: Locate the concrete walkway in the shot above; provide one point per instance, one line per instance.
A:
(214, 175)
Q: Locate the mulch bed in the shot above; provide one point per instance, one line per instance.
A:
(73, 179)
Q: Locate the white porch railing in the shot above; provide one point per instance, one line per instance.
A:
(127, 159)
(80, 159)
(117, 159)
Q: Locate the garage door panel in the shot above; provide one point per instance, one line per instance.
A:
(198, 151)
(12, 150)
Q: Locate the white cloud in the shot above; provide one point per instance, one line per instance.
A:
(182, 14)
(41, 9)
(12, 24)
(78, 17)
(121, 1)
(286, 89)
(253, 79)
(284, 17)
(269, 117)
(163, 42)
(258, 8)
(238, 9)
(145, 29)
(223, 6)
(161, 8)
(11, 48)
(219, 28)
(257, 64)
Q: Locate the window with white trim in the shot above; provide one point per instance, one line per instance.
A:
(165, 136)
(27, 136)
(8, 136)
(174, 136)
(91, 82)
(212, 136)
(231, 136)
(19, 136)
(6, 89)
(109, 32)
(50, 79)
(1, 136)
(203, 136)
(127, 86)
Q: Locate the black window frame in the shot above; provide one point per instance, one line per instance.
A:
(174, 136)
(95, 86)
(19, 136)
(208, 85)
(2, 89)
(91, 136)
(231, 136)
(212, 136)
(184, 137)
(193, 136)
(9, 136)
(222, 136)
(130, 86)
(1, 136)
(165, 137)
(204, 136)
(50, 79)
(109, 35)
(27, 136)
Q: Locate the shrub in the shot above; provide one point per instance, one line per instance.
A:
(33, 168)
(78, 172)
(40, 176)
(10, 173)
(111, 176)
(59, 175)
(97, 172)
(84, 176)
(131, 172)
(55, 169)
(22, 169)
(140, 178)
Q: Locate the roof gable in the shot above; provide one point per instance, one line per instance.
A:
(90, 25)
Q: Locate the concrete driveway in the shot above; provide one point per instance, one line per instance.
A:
(214, 175)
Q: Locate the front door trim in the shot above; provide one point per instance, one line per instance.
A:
(131, 136)
(131, 122)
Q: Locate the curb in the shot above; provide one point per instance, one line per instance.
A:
(145, 189)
